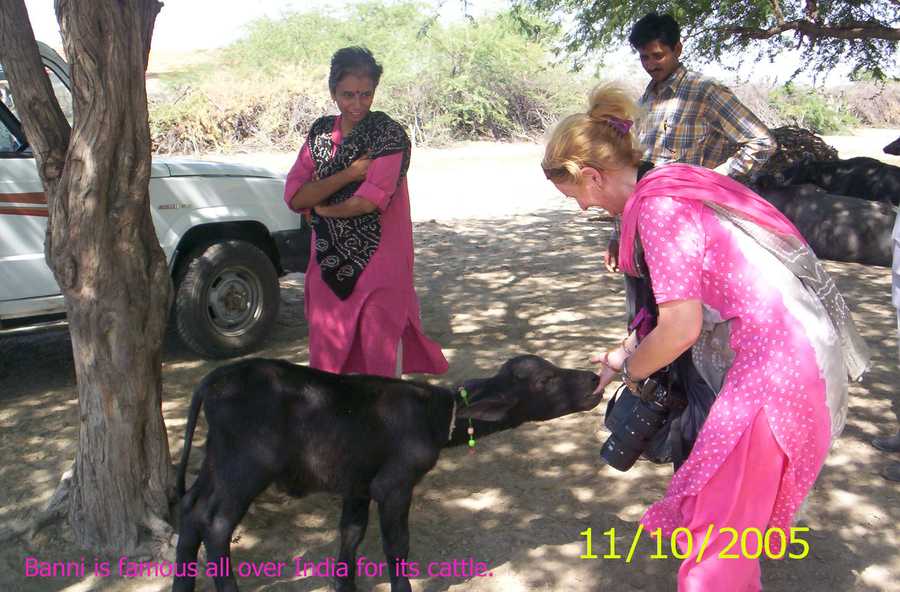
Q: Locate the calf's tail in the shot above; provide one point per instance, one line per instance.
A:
(196, 403)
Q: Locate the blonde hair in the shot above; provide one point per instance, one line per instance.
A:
(593, 139)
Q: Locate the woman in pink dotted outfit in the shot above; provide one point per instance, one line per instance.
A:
(736, 283)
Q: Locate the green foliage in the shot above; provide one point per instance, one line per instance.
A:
(807, 108)
(310, 38)
(860, 33)
(487, 78)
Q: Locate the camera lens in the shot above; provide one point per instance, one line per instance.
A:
(630, 437)
(618, 456)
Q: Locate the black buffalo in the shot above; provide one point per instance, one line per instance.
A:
(861, 177)
(893, 147)
(362, 437)
(837, 227)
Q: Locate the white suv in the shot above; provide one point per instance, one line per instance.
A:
(224, 228)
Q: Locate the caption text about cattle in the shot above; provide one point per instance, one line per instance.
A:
(297, 567)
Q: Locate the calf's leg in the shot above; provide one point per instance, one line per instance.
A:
(228, 504)
(354, 521)
(225, 517)
(191, 530)
(393, 513)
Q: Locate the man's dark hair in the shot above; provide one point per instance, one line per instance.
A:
(353, 60)
(655, 27)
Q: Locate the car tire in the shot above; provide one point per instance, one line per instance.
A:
(226, 299)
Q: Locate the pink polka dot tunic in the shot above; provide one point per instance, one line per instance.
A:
(780, 344)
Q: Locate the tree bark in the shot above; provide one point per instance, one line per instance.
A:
(104, 253)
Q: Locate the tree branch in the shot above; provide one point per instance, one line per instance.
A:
(43, 121)
(776, 8)
(850, 30)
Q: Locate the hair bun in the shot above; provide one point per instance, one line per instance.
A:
(620, 125)
(610, 104)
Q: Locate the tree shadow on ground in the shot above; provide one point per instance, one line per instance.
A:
(490, 289)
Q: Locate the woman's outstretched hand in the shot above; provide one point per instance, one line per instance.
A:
(607, 370)
(612, 360)
(607, 375)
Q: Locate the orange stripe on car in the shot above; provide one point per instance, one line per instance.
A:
(25, 212)
(28, 198)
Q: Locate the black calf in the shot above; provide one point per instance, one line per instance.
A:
(363, 437)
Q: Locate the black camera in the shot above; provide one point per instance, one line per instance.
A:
(635, 421)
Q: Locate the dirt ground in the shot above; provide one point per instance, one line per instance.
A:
(523, 277)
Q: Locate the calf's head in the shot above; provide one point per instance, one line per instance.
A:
(529, 388)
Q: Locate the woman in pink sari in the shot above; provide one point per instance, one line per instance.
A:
(350, 180)
(722, 262)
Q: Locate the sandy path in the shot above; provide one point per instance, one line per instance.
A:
(866, 142)
(476, 179)
(489, 180)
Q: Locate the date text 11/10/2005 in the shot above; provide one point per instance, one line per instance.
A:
(750, 543)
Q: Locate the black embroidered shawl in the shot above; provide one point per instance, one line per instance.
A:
(344, 246)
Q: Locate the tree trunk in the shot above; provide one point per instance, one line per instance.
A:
(104, 253)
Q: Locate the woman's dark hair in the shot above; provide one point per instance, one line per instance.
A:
(353, 60)
(654, 27)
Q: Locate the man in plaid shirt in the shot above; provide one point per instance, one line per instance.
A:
(691, 118)
(688, 117)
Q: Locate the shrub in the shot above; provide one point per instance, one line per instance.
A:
(813, 110)
(873, 103)
(489, 78)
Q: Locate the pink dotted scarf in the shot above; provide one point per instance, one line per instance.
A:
(685, 181)
(765, 224)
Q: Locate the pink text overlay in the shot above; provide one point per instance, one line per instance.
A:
(297, 567)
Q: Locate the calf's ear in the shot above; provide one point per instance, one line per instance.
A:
(491, 408)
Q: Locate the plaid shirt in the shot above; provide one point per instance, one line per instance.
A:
(696, 120)
(693, 119)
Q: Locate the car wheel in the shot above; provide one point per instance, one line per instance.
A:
(226, 299)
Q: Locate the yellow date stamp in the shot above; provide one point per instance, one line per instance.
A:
(749, 543)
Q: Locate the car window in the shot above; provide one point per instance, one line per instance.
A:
(63, 96)
(8, 142)
(5, 95)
